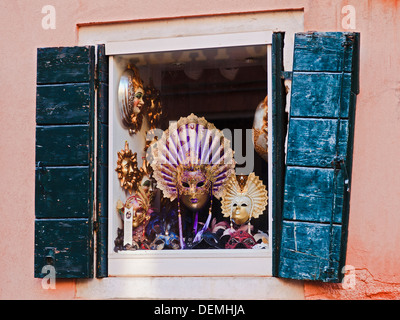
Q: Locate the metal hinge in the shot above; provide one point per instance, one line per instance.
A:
(96, 226)
(96, 75)
(340, 164)
(287, 75)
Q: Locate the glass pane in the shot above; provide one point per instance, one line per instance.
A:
(178, 205)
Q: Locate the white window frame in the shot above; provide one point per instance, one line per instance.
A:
(199, 262)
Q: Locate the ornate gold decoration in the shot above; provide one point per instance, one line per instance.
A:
(260, 129)
(192, 143)
(128, 173)
(153, 106)
(252, 193)
(140, 205)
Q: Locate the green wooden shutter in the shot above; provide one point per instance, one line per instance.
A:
(279, 128)
(319, 156)
(102, 164)
(64, 161)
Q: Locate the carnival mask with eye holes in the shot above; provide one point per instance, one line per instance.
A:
(194, 188)
(192, 162)
(244, 198)
(241, 209)
(135, 207)
(240, 239)
(165, 241)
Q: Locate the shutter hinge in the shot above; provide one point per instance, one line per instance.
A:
(287, 75)
(340, 164)
(349, 40)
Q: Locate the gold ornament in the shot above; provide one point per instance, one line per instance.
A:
(244, 199)
(260, 129)
(153, 107)
(138, 205)
(128, 173)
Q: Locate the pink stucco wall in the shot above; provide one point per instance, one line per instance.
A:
(374, 237)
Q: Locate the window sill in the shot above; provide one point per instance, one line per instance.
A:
(189, 263)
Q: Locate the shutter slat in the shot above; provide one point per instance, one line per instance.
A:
(62, 192)
(63, 104)
(64, 65)
(319, 152)
(322, 52)
(309, 195)
(63, 145)
(313, 142)
(318, 95)
(69, 240)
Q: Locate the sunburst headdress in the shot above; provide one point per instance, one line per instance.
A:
(129, 174)
(192, 143)
(251, 188)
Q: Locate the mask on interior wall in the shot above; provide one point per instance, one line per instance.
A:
(244, 198)
(192, 162)
(260, 130)
(152, 105)
(130, 99)
(129, 175)
(135, 213)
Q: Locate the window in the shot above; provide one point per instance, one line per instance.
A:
(222, 78)
(308, 191)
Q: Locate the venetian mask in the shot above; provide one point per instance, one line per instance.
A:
(192, 162)
(129, 174)
(153, 105)
(240, 240)
(241, 209)
(194, 188)
(244, 198)
(130, 99)
(136, 208)
(260, 130)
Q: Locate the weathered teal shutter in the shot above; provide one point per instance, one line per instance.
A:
(319, 156)
(64, 189)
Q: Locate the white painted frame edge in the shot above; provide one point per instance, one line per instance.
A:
(188, 42)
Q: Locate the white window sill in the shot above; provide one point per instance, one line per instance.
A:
(236, 262)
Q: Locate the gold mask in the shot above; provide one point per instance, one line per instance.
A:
(128, 172)
(241, 209)
(244, 199)
(194, 187)
(137, 205)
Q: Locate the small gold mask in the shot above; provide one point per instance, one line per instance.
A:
(128, 173)
(244, 199)
(137, 205)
